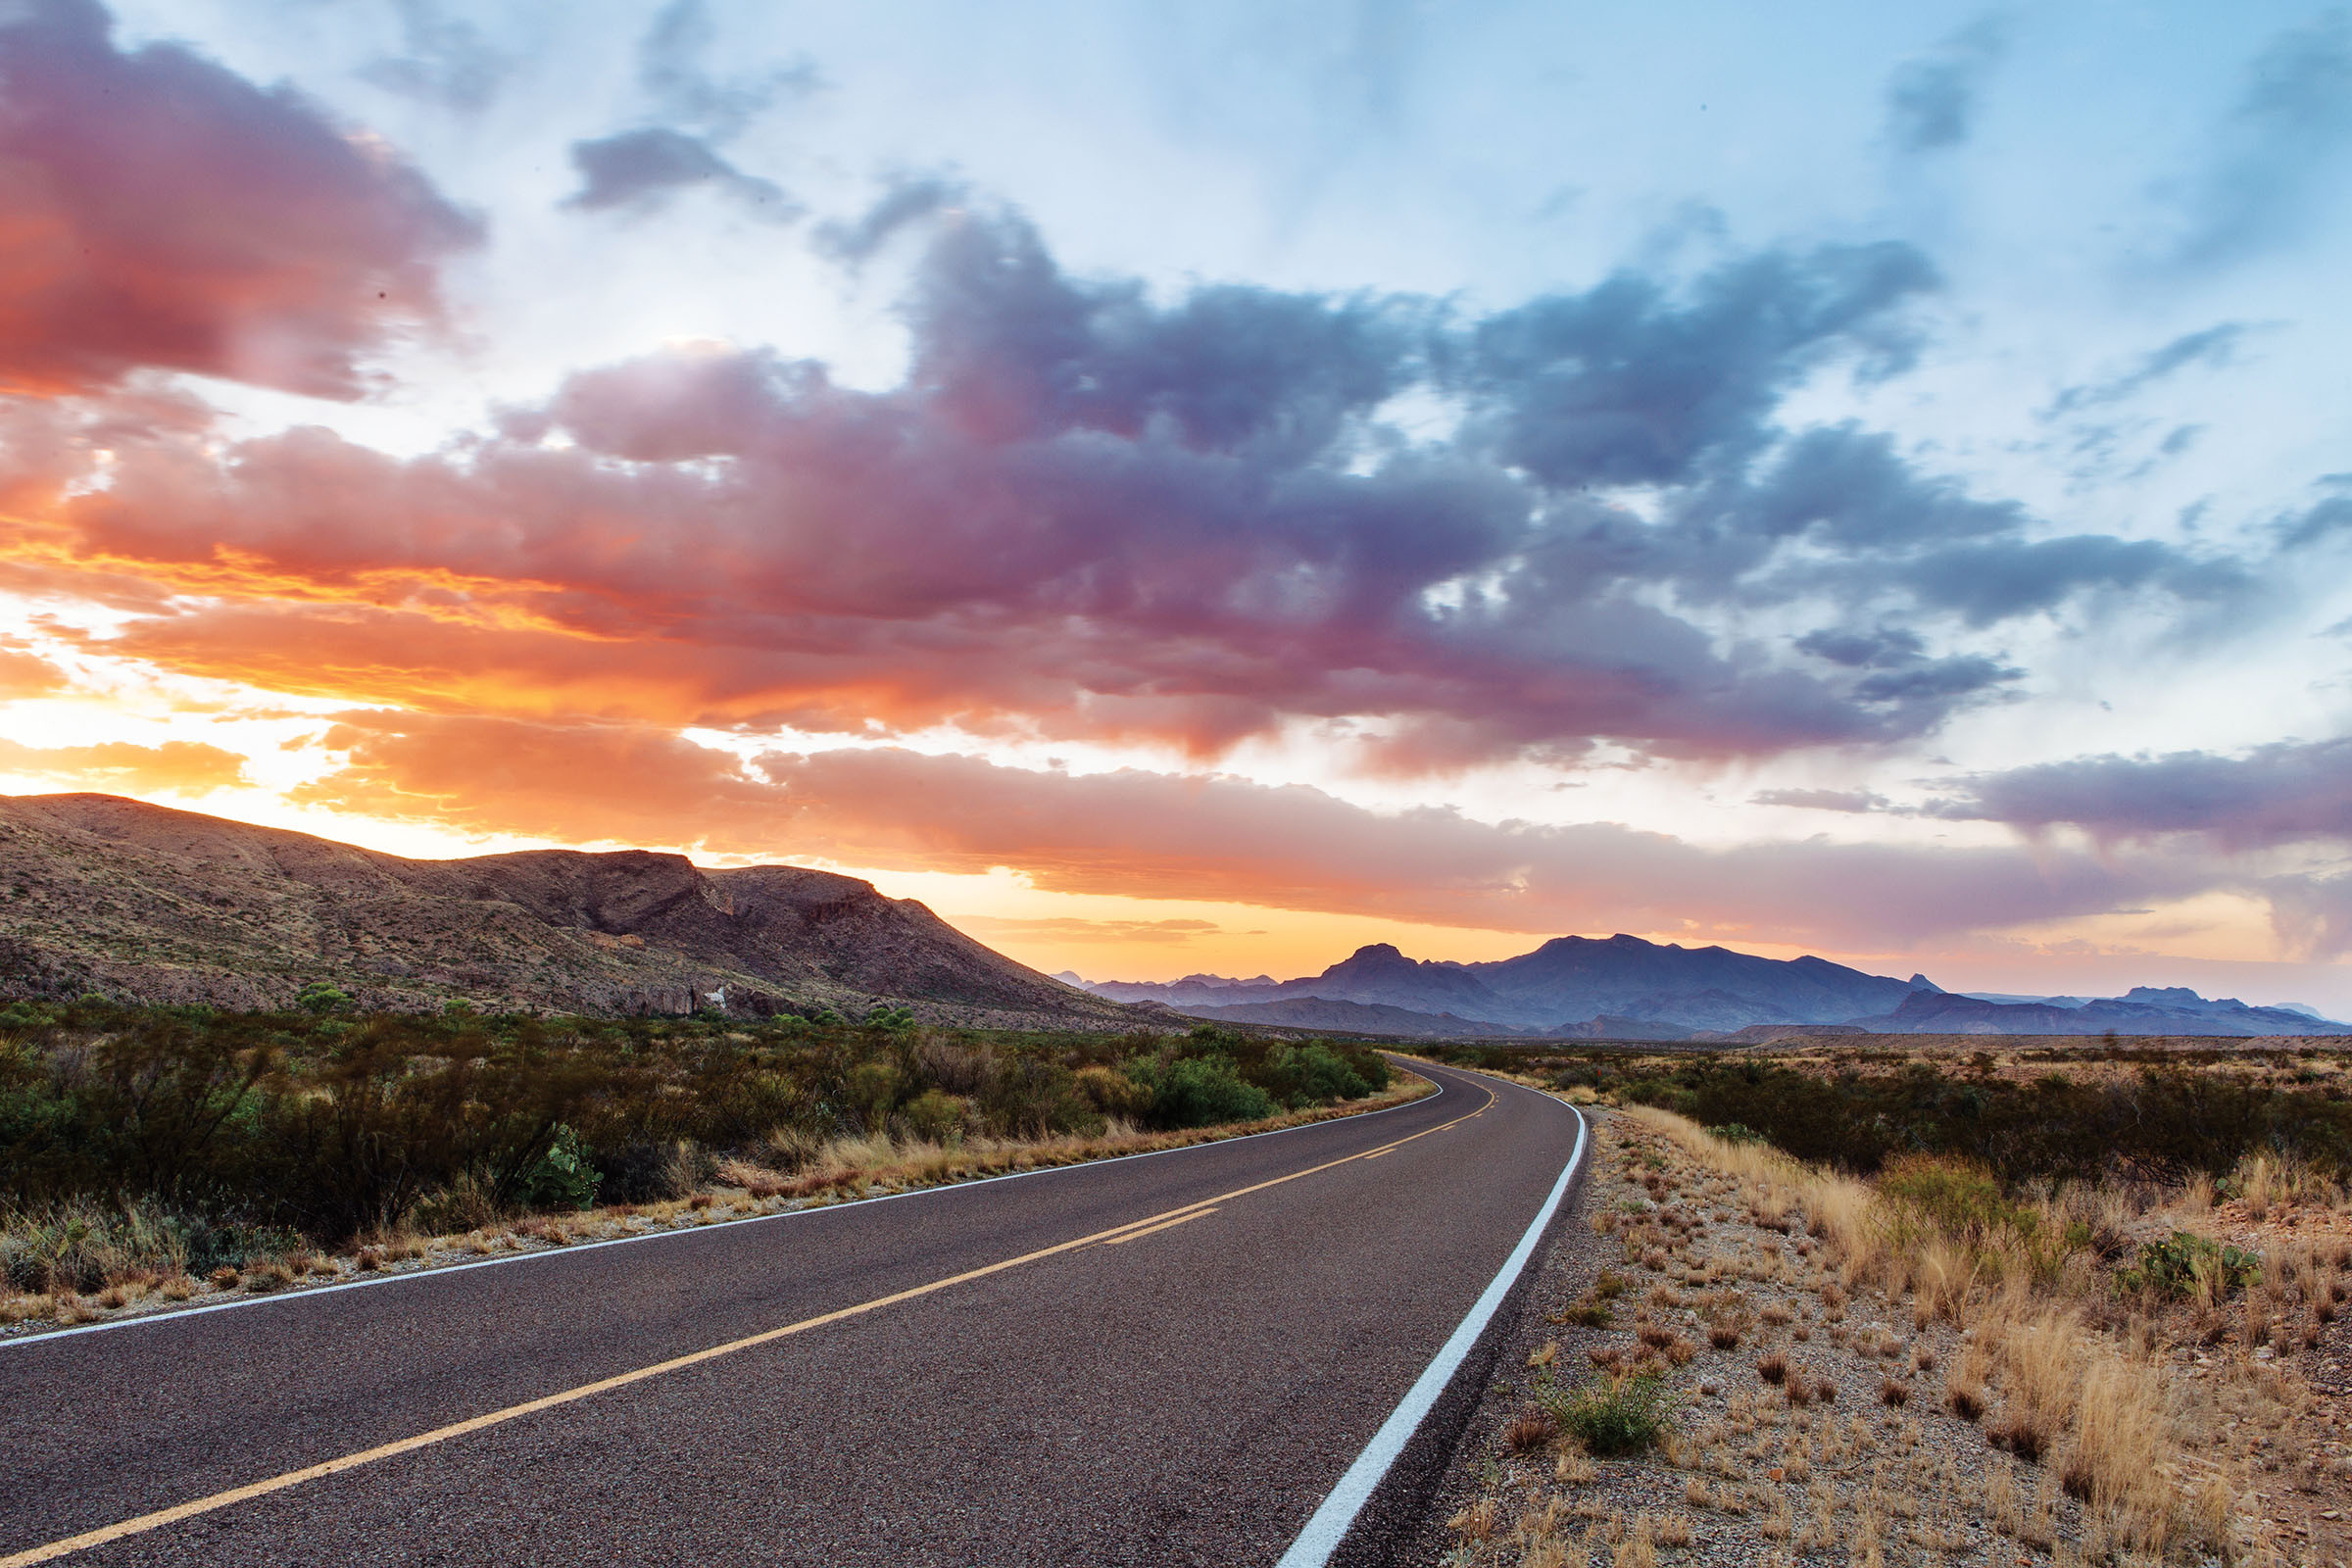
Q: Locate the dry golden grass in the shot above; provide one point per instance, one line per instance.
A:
(2068, 1390)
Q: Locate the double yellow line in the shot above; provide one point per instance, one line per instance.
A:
(1133, 1230)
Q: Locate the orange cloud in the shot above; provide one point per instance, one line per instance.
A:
(1208, 839)
(27, 675)
(179, 767)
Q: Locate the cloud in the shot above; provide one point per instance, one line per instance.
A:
(27, 675)
(1931, 101)
(2312, 915)
(1823, 800)
(2323, 520)
(2215, 347)
(180, 767)
(1989, 583)
(1086, 511)
(1159, 835)
(447, 62)
(2283, 793)
(641, 170)
(2271, 156)
(906, 202)
(1626, 384)
(1070, 928)
(158, 211)
(670, 69)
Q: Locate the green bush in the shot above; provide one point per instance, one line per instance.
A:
(1611, 1415)
(2170, 1267)
(322, 998)
(564, 1177)
(935, 1115)
(1312, 1074)
(1733, 1132)
(1201, 1092)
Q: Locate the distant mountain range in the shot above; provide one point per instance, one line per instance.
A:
(142, 903)
(1624, 988)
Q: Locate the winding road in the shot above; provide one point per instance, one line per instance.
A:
(1170, 1358)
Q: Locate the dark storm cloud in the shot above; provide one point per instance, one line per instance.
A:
(1931, 101)
(2275, 156)
(643, 169)
(2283, 792)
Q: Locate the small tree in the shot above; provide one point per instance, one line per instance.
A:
(321, 997)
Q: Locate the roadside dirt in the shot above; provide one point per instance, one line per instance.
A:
(1805, 1423)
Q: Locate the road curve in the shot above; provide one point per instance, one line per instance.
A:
(1163, 1359)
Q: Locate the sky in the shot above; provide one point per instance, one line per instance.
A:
(1200, 488)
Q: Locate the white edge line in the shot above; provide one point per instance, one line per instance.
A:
(409, 1276)
(1330, 1522)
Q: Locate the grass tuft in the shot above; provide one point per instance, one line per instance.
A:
(1617, 1415)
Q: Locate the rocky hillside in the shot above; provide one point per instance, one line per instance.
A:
(141, 903)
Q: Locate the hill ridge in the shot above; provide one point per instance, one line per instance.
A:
(151, 903)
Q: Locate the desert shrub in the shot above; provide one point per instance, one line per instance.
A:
(466, 1203)
(1611, 1415)
(562, 1177)
(1733, 1132)
(2170, 1267)
(84, 1245)
(1311, 1074)
(1113, 1092)
(319, 996)
(1028, 1095)
(1200, 1092)
(1931, 1197)
(936, 1115)
(871, 1093)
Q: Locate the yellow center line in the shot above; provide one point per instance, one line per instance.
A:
(146, 1521)
(1154, 1230)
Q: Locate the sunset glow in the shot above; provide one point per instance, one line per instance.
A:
(1899, 516)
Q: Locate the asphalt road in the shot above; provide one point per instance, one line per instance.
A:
(1177, 1395)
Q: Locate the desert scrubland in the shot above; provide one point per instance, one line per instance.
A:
(2074, 1302)
(156, 1155)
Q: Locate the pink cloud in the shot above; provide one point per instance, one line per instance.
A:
(1158, 835)
(157, 210)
